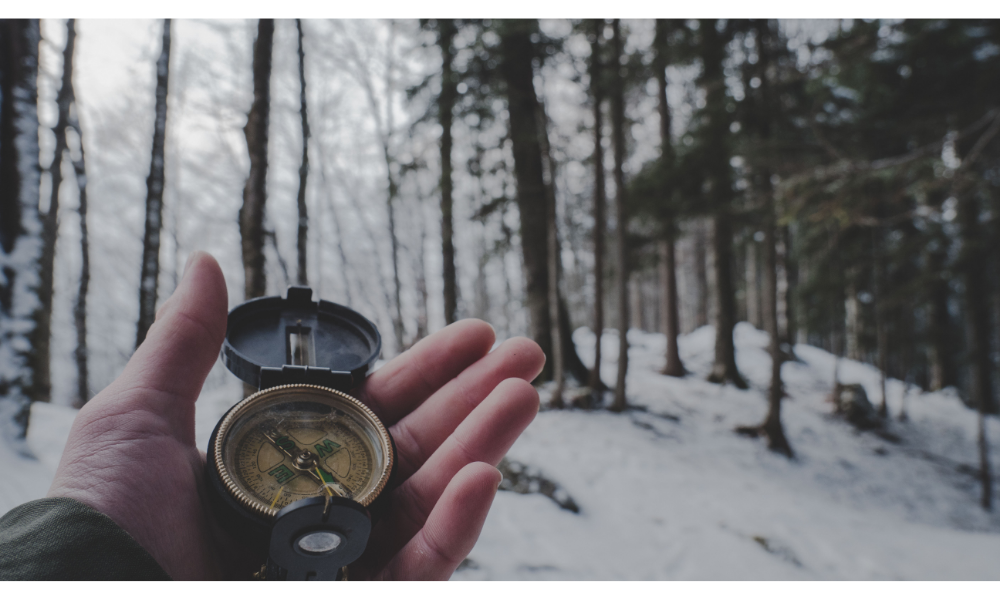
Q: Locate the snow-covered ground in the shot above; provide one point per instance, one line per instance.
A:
(670, 492)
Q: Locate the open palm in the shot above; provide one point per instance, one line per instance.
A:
(453, 407)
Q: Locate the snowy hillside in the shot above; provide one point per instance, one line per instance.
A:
(670, 492)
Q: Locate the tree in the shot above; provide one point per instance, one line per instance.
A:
(255, 192)
(621, 217)
(597, 97)
(714, 131)
(302, 277)
(81, 352)
(761, 131)
(20, 225)
(150, 275)
(42, 389)
(447, 29)
(668, 273)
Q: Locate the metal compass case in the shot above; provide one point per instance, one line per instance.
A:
(297, 469)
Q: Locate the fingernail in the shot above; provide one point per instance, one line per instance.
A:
(499, 478)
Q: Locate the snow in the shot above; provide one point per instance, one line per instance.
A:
(670, 492)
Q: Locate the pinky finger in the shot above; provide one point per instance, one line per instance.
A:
(451, 529)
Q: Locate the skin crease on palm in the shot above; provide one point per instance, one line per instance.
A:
(453, 407)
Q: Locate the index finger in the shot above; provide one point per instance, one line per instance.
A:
(403, 384)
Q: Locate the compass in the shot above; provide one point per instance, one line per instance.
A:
(297, 469)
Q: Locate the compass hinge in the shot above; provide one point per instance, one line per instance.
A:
(292, 374)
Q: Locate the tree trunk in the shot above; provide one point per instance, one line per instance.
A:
(42, 389)
(597, 91)
(852, 316)
(720, 197)
(977, 323)
(668, 267)
(881, 330)
(772, 424)
(302, 277)
(552, 237)
(20, 223)
(939, 327)
(150, 275)
(446, 108)
(516, 68)
(752, 280)
(255, 191)
(700, 244)
(80, 308)
(621, 219)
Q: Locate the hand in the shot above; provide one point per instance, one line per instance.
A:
(454, 409)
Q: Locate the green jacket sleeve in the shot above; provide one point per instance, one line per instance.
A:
(62, 539)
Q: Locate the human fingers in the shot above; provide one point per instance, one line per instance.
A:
(166, 372)
(451, 529)
(407, 380)
(420, 433)
(484, 436)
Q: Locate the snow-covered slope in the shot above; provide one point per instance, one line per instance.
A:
(673, 493)
(670, 492)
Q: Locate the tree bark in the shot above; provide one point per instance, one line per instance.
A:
(552, 238)
(668, 269)
(881, 330)
(621, 218)
(700, 244)
(597, 92)
(255, 191)
(446, 107)
(81, 352)
(20, 223)
(852, 316)
(977, 324)
(302, 276)
(522, 106)
(149, 278)
(42, 389)
(939, 326)
(752, 281)
(720, 197)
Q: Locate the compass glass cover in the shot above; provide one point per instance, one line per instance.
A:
(284, 445)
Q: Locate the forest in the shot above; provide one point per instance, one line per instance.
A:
(835, 184)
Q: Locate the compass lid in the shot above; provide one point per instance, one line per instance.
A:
(278, 341)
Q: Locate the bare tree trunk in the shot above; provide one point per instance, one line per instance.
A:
(771, 427)
(20, 223)
(700, 274)
(972, 265)
(532, 203)
(881, 331)
(255, 192)
(446, 107)
(80, 308)
(668, 268)
(621, 219)
(852, 316)
(752, 281)
(42, 389)
(941, 374)
(149, 278)
(553, 255)
(720, 185)
(597, 90)
(303, 233)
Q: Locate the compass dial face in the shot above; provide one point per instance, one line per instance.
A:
(299, 441)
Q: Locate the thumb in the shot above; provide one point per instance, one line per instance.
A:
(169, 368)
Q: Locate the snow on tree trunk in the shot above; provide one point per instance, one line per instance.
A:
(150, 274)
(20, 225)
